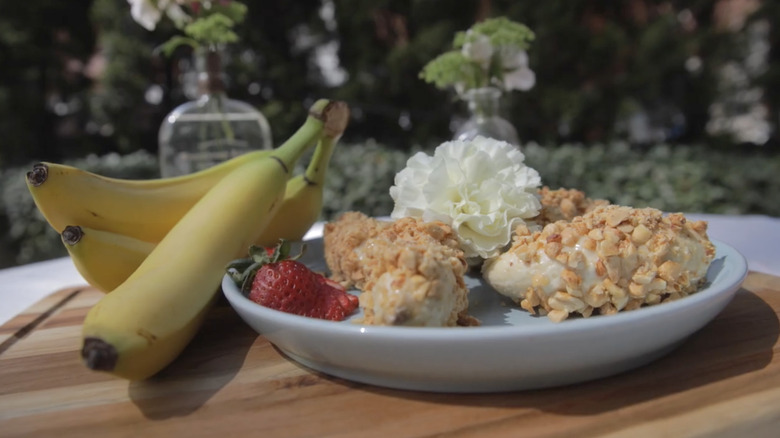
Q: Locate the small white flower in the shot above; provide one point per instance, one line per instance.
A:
(512, 58)
(148, 13)
(481, 188)
(478, 49)
(145, 12)
(522, 79)
(176, 13)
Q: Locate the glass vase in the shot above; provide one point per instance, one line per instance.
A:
(212, 127)
(484, 118)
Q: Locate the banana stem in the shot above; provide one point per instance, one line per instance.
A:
(326, 118)
(318, 167)
(336, 117)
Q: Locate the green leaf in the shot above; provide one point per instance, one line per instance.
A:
(169, 46)
(505, 32)
(235, 11)
(451, 68)
(213, 29)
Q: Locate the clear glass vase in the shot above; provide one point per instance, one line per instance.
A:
(484, 119)
(211, 128)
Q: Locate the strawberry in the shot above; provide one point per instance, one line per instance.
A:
(288, 285)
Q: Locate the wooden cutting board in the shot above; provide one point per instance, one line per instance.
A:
(725, 380)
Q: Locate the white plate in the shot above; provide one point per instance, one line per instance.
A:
(512, 350)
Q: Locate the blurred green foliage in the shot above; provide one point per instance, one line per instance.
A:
(81, 79)
(28, 237)
(692, 179)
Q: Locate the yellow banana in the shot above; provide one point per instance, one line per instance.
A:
(302, 204)
(143, 325)
(106, 259)
(103, 258)
(143, 209)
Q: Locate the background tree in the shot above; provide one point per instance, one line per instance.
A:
(645, 70)
(82, 84)
(44, 46)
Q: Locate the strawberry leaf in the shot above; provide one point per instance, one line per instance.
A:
(242, 271)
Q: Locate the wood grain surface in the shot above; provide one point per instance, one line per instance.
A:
(723, 381)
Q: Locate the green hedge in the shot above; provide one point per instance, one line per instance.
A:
(693, 178)
(28, 237)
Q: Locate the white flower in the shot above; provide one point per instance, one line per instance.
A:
(478, 49)
(481, 188)
(460, 88)
(512, 57)
(176, 13)
(145, 12)
(148, 13)
(522, 79)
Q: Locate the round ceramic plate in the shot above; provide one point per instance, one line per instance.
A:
(511, 350)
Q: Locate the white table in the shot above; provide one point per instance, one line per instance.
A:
(756, 237)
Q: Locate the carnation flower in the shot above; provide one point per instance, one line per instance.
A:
(480, 187)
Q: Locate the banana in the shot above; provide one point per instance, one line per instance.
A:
(143, 209)
(103, 258)
(106, 259)
(145, 323)
(302, 204)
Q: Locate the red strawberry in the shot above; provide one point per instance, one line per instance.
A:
(334, 301)
(290, 286)
(268, 277)
(286, 285)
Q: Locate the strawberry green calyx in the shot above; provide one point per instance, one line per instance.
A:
(243, 270)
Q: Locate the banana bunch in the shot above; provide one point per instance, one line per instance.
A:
(160, 246)
(119, 221)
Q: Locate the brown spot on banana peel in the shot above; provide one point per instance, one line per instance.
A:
(38, 175)
(273, 205)
(146, 334)
(72, 234)
(99, 355)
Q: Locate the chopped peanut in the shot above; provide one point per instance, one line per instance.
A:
(609, 259)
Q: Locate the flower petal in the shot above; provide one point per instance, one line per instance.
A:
(145, 12)
(480, 187)
(522, 79)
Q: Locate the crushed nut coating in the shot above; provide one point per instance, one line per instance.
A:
(564, 204)
(610, 259)
(410, 272)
